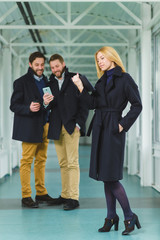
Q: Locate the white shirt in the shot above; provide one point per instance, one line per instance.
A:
(60, 81)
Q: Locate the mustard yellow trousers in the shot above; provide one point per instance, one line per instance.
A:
(37, 151)
(67, 152)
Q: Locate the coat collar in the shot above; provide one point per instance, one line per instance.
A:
(31, 74)
(101, 84)
(117, 72)
(66, 80)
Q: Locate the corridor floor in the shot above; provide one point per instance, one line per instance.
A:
(53, 223)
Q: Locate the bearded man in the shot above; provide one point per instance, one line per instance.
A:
(31, 127)
(67, 124)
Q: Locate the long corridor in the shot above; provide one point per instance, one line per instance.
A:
(53, 223)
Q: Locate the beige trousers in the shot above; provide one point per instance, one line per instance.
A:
(29, 152)
(67, 151)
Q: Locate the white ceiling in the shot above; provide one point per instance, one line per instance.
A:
(75, 29)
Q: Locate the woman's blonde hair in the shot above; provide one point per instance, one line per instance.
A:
(111, 54)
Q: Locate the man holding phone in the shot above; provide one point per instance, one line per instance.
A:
(67, 124)
(31, 127)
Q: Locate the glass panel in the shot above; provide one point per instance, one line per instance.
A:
(157, 87)
(139, 82)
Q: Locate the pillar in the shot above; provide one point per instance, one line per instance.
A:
(6, 113)
(132, 138)
(146, 141)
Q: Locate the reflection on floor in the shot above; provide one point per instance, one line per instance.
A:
(53, 223)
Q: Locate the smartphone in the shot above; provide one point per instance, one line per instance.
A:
(47, 90)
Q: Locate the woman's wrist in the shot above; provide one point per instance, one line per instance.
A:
(80, 87)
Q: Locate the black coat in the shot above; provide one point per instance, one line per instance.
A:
(107, 153)
(66, 108)
(28, 126)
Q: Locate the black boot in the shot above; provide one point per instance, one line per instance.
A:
(130, 224)
(109, 223)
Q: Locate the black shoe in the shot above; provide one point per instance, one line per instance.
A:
(28, 202)
(109, 223)
(43, 199)
(71, 204)
(130, 224)
(59, 201)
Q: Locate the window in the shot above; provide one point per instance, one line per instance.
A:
(1, 101)
(156, 84)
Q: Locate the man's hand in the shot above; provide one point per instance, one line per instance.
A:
(77, 128)
(47, 98)
(120, 128)
(35, 106)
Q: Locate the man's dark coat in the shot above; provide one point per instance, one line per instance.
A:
(66, 108)
(28, 126)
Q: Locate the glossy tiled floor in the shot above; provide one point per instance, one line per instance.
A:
(53, 223)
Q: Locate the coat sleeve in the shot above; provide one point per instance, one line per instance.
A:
(82, 113)
(17, 100)
(90, 100)
(51, 105)
(133, 96)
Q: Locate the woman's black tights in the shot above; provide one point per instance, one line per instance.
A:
(115, 190)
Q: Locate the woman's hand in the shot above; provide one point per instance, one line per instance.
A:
(77, 81)
(120, 128)
(47, 98)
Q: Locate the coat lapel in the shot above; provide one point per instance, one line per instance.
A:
(65, 83)
(54, 85)
(100, 88)
(101, 85)
(35, 90)
(109, 86)
(117, 73)
(33, 86)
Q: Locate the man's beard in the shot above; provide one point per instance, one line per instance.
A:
(63, 70)
(37, 74)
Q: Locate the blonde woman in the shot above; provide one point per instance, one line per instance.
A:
(114, 89)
